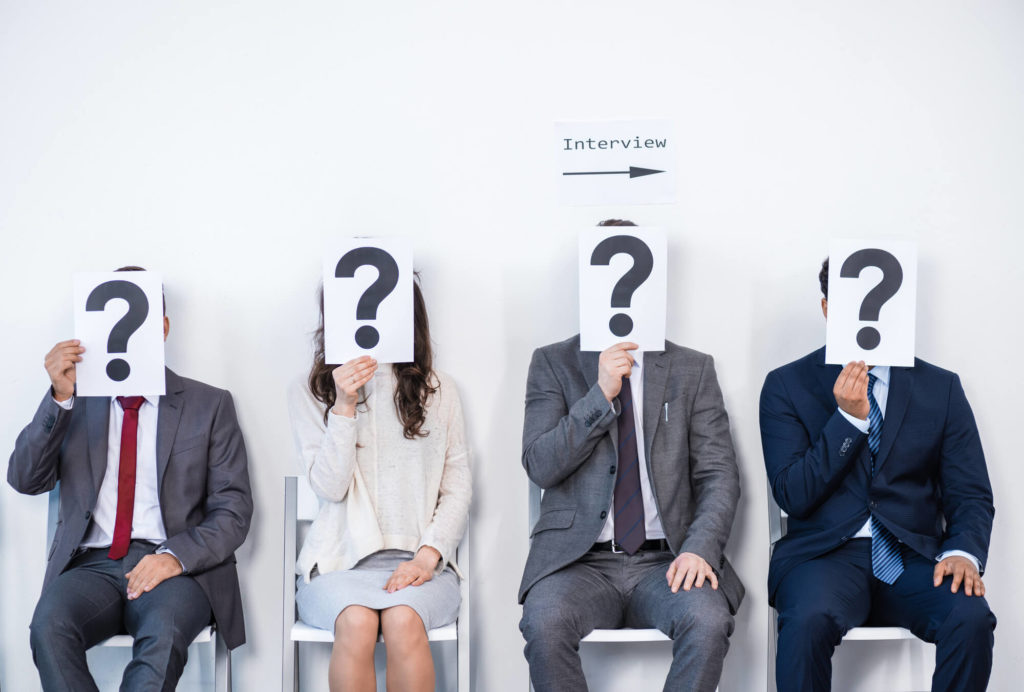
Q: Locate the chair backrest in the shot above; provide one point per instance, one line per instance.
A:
(535, 496)
(52, 514)
(776, 519)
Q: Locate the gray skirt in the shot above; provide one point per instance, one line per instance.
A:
(326, 595)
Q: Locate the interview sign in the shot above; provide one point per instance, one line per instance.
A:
(872, 302)
(119, 321)
(615, 162)
(623, 287)
(368, 308)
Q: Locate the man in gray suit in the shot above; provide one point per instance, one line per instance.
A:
(634, 454)
(154, 500)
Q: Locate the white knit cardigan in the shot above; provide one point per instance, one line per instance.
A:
(377, 489)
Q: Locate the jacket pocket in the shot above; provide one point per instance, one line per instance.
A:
(554, 519)
(185, 445)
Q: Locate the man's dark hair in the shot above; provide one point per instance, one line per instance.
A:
(133, 268)
(823, 278)
(616, 222)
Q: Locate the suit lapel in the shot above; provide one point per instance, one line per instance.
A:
(169, 415)
(901, 383)
(97, 414)
(655, 376)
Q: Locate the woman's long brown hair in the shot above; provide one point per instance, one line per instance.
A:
(414, 382)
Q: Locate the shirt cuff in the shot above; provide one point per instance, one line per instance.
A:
(163, 549)
(66, 405)
(960, 553)
(861, 425)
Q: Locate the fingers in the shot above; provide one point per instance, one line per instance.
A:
(938, 573)
(677, 578)
(699, 581)
(958, 575)
(713, 578)
(691, 574)
(670, 574)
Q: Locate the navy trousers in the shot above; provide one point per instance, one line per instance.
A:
(820, 600)
(87, 604)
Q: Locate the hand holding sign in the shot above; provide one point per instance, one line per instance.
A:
(873, 282)
(121, 333)
(351, 299)
(622, 267)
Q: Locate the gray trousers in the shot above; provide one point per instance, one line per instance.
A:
(604, 590)
(87, 604)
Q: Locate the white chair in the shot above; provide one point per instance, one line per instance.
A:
(777, 525)
(208, 635)
(297, 516)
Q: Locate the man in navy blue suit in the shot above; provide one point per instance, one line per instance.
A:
(890, 511)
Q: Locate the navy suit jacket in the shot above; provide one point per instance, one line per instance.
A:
(930, 488)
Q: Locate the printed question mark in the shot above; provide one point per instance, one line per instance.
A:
(138, 308)
(892, 278)
(622, 294)
(387, 279)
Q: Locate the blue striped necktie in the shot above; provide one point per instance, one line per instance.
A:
(886, 561)
(630, 532)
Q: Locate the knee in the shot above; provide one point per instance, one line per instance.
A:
(971, 621)
(356, 627)
(811, 625)
(402, 628)
(47, 626)
(710, 625)
(548, 625)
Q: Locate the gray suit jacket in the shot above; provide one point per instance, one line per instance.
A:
(570, 442)
(202, 474)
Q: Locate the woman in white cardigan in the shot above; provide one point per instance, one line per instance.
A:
(384, 450)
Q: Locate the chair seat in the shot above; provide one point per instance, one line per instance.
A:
(301, 632)
(626, 634)
(126, 640)
(862, 634)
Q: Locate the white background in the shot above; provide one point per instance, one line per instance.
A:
(225, 143)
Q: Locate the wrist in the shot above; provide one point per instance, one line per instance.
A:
(428, 556)
(59, 395)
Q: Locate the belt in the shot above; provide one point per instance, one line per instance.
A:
(648, 546)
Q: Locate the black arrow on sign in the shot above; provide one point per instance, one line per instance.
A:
(633, 172)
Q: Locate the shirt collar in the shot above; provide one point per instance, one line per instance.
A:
(150, 399)
(881, 373)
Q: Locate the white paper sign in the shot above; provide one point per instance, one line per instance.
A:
(872, 302)
(368, 301)
(119, 320)
(623, 285)
(615, 162)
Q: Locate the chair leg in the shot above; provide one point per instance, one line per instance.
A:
(221, 665)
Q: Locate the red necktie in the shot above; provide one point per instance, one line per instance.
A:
(126, 477)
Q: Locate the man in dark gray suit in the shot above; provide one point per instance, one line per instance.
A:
(154, 500)
(634, 454)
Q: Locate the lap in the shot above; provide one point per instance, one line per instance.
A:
(652, 603)
(837, 584)
(580, 594)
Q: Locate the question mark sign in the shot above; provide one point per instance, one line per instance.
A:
(622, 295)
(138, 308)
(868, 338)
(387, 279)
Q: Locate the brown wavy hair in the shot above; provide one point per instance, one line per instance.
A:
(414, 382)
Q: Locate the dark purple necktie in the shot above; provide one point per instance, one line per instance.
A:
(630, 532)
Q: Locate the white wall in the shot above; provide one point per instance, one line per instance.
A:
(224, 143)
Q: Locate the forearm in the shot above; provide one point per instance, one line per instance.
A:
(448, 523)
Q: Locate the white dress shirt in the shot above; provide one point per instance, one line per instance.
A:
(881, 394)
(652, 522)
(147, 521)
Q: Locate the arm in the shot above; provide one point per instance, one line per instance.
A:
(714, 478)
(228, 497)
(451, 513)
(35, 462)
(803, 473)
(963, 480)
(327, 452)
(558, 438)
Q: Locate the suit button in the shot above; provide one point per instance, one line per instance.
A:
(88, 515)
(612, 470)
(604, 514)
(874, 504)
